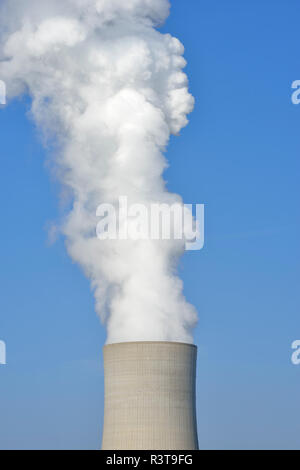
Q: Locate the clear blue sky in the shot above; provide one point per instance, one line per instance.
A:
(239, 156)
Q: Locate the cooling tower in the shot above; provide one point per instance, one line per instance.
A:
(150, 400)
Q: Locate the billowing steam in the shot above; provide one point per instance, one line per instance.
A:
(109, 88)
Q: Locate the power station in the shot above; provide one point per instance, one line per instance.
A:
(150, 396)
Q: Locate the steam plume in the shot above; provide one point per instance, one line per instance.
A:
(110, 89)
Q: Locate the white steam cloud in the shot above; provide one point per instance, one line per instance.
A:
(110, 89)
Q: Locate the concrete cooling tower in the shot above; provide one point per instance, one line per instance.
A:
(150, 399)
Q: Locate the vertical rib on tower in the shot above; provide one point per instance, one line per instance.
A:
(150, 398)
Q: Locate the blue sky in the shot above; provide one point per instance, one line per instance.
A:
(240, 157)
